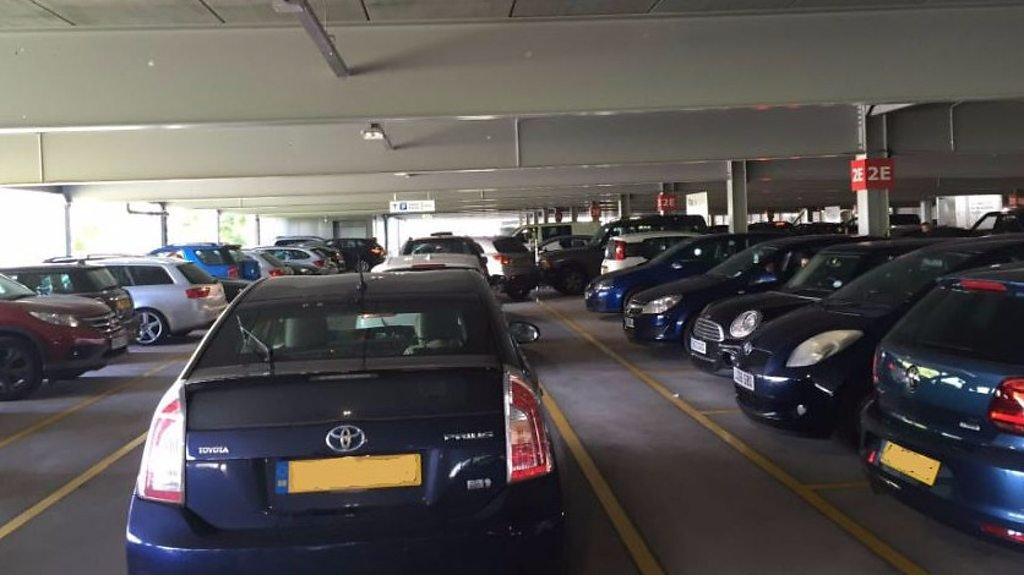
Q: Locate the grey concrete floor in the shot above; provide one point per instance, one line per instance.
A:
(698, 503)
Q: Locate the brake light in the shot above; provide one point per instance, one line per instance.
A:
(526, 438)
(983, 286)
(1002, 532)
(1007, 408)
(160, 477)
(275, 272)
(620, 250)
(198, 292)
(376, 250)
(502, 259)
(232, 271)
(318, 263)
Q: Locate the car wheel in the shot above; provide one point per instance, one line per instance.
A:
(152, 328)
(573, 282)
(517, 294)
(21, 371)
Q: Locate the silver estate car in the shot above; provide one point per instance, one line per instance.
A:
(171, 297)
(299, 255)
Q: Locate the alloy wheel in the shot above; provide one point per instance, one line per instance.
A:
(16, 370)
(151, 328)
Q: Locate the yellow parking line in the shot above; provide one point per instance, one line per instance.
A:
(880, 548)
(838, 486)
(645, 561)
(82, 405)
(720, 411)
(62, 492)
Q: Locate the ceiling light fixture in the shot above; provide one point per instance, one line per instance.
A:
(376, 133)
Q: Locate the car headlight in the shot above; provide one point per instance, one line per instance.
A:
(55, 318)
(745, 324)
(817, 348)
(661, 305)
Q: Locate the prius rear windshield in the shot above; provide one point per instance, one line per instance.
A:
(323, 331)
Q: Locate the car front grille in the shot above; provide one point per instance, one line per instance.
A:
(707, 330)
(107, 324)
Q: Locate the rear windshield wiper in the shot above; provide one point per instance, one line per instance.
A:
(266, 352)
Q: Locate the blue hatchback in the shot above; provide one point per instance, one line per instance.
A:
(215, 259)
(946, 430)
(341, 424)
(610, 292)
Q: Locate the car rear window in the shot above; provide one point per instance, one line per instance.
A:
(437, 246)
(272, 260)
(896, 282)
(215, 256)
(152, 275)
(975, 324)
(195, 275)
(318, 331)
(509, 246)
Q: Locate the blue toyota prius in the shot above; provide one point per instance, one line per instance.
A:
(946, 430)
(335, 424)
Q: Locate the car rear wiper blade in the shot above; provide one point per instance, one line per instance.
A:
(266, 352)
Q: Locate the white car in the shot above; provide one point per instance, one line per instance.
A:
(270, 266)
(434, 261)
(171, 297)
(631, 250)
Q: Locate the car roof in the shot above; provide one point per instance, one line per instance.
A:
(192, 245)
(641, 236)
(441, 237)
(289, 247)
(868, 246)
(141, 261)
(49, 267)
(1008, 274)
(342, 286)
(977, 245)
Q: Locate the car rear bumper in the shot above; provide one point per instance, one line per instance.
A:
(509, 547)
(971, 488)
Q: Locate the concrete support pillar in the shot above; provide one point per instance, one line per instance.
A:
(625, 205)
(927, 210)
(259, 233)
(574, 214)
(218, 226)
(67, 224)
(873, 213)
(736, 196)
(547, 216)
(163, 224)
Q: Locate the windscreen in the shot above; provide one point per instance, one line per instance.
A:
(436, 246)
(305, 331)
(826, 273)
(757, 258)
(975, 324)
(900, 280)
(11, 290)
(215, 256)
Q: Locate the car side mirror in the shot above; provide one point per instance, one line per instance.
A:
(678, 264)
(523, 332)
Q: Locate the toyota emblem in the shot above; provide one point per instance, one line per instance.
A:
(345, 438)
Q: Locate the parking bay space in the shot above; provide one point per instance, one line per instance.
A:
(698, 503)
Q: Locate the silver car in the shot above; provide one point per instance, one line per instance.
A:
(171, 297)
(299, 255)
(270, 266)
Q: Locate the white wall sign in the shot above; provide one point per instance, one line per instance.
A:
(411, 206)
(698, 204)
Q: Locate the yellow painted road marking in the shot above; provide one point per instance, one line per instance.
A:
(50, 420)
(720, 411)
(62, 492)
(645, 561)
(882, 549)
(838, 486)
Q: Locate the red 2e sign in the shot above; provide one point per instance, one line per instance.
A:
(873, 173)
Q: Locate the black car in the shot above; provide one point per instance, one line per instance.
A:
(1002, 222)
(380, 423)
(360, 254)
(80, 279)
(810, 370)
(720, 330)
(569, 271)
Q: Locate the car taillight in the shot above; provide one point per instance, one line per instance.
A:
(232, 271)
(875, 361)
(983, 286)
(318, 263)
(620, 250)
(1007, 408)
(275, 272)
(502, 259)
(198, 292)
(160, 477)
(376, 250)
(526, 438)
(1002, 532)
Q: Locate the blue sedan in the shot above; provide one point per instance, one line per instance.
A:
(610, 292)
(946, 430)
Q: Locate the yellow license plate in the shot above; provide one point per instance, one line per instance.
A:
(348, 473)
(906, 461)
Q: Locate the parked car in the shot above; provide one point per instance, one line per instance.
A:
(634, 249)
(439, 261)
(79, 279)
(563, 242)
(822, 228)
(299, 240)
(269, 265)
(720, 330)
(810, 370)
(666, 313)
(171, 297)
(1007, 221)
(569, 271)
(444, 243)
(54, 337)
(532, 234)
(333, 257)
(610, 292)
(361, 254)
(304, 256)
(510, 265)
(248, 267)
(946, 430)
(232, 288)
(441, 460)
(215, 259)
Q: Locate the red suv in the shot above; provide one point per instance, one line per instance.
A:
(47, 336)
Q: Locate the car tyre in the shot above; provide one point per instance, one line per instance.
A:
(153, 328)
(572, 282)
(517, 294)
(21, 370)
